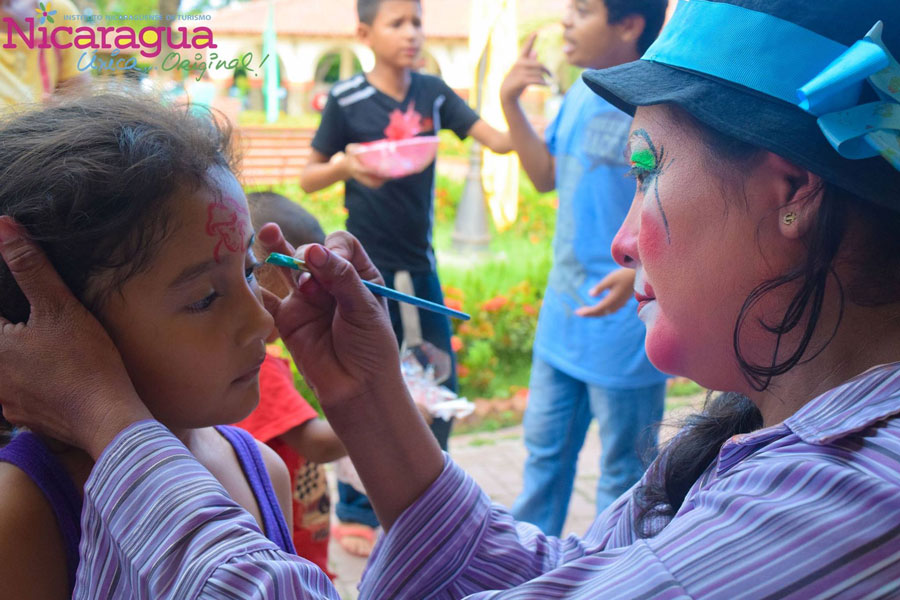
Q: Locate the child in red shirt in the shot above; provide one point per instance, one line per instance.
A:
(283, 419)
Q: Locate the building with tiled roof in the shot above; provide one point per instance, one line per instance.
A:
(316, 40)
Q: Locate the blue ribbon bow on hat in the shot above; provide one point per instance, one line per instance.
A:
(858, 130)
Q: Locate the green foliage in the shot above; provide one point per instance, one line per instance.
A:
(307, 120)
(684, 387)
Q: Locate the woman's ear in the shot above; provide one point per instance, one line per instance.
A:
(797, 216)
(796, 195)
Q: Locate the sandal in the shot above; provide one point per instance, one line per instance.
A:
(355, 538)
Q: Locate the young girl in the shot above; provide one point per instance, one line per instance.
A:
(141, 214)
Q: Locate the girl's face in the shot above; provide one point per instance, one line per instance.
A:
(700, 240)
(192, 327)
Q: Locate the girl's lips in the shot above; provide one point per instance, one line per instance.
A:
(249, 375)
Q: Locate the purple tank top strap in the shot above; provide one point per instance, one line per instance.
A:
(31, 455)
(257, 475)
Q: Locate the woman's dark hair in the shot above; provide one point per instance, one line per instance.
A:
(89, 177)
(875, 264)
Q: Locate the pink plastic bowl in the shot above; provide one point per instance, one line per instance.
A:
(398, 158)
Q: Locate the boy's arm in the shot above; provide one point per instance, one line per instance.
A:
(498, 141)
(532, 150)
(321, 172)
(315, 440)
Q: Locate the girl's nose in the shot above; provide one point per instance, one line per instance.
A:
(256, 322)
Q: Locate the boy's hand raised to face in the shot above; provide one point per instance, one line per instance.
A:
(528, 70)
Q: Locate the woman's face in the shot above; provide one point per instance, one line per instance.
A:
(701, 236)
(191, 327)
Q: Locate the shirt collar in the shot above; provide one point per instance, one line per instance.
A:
(850, 407)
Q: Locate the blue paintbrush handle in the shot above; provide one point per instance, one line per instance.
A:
(283, 260)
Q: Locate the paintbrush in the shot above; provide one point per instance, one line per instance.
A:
(283, 260)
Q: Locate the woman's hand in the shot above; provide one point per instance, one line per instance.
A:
(341, 338)
(62, 375)
(337, 331)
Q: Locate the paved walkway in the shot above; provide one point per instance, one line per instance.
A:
(495, 460)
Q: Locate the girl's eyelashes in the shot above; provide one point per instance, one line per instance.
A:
(205, 304)
(250, 271)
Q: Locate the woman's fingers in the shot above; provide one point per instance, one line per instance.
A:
(347, 246)
(272, 240)
(42, 286)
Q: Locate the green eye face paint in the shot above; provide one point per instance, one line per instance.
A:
(644, 159)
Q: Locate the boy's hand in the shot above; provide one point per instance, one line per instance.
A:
(528, 70)
(620, 284)
(354, 169)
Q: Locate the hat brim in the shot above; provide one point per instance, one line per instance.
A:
(747, 115)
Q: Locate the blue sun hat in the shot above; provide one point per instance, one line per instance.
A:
(815, 82)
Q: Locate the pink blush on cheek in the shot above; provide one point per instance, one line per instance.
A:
(227, 221)
(652, 238)
(662, 345)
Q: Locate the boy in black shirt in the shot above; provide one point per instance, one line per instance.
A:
(392, 218)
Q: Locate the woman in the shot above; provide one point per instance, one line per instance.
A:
(768, 263)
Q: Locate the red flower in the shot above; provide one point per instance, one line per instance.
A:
(453, 303)
(456, 343)
(495, 304)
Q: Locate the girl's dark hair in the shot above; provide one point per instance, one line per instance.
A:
(875, 262)
(89, 177)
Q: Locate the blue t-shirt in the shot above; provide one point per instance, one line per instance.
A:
(588, 139)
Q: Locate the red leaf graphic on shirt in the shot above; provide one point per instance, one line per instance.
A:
(404, 125)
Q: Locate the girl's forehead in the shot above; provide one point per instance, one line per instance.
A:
(210, 221)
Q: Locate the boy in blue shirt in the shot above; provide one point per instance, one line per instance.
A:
(392, 218)
(589, 359)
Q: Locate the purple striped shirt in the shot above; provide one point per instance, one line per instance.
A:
(809, 508)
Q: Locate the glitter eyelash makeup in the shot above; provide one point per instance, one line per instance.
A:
(647, 165)
(643, 160)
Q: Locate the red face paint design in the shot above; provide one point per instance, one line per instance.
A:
(225, 221)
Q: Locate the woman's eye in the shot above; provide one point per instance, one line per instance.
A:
(639, 174)
(205, 304)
